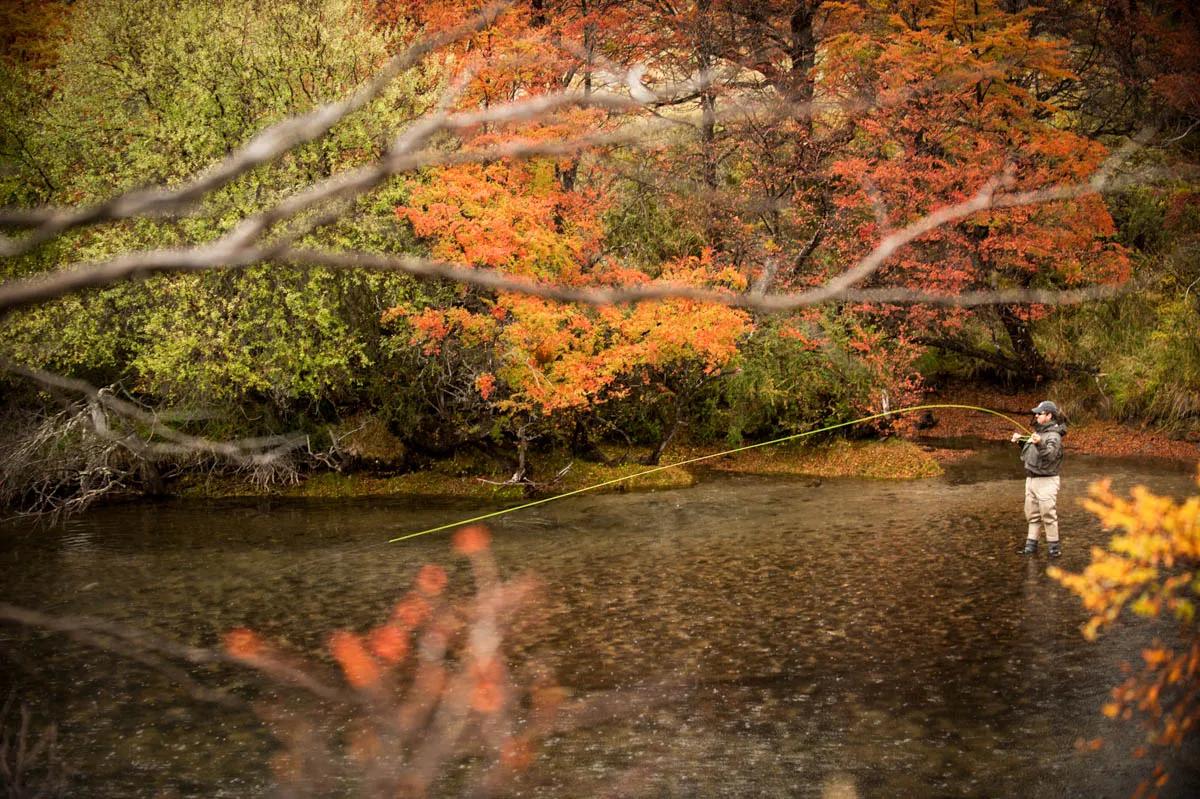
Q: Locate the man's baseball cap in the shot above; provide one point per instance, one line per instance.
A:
(1046, 406)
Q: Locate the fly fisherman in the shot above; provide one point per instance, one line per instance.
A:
(1042, 455)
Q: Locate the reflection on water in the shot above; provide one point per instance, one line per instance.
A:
(847, 638)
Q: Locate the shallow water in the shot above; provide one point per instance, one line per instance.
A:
(876, 638)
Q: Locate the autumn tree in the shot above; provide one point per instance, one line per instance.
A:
(750, 176)
(955, 102)
(1131, 62)
(542, 367)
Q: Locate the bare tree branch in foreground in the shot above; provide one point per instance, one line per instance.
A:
(840, 288)
(230, 253)
(224, 255)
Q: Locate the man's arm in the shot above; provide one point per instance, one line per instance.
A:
(1050, 446)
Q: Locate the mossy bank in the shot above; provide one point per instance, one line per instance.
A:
(889, 459)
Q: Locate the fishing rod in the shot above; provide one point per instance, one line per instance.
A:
(700, 458)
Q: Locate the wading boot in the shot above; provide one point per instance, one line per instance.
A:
(1030, 547)
(1055, 549)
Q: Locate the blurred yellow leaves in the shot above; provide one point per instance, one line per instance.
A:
(1151, 568)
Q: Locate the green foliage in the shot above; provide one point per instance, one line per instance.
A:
(148, 93)
(785, 384)
(643, 231)
(1146, 355)
(1143, 344)
(279, 334)
(1154, 376)
(793, 378)
(1139, 214)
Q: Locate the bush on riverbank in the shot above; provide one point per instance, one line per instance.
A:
(1134, 358)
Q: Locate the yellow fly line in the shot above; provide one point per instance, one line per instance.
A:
(654, 469)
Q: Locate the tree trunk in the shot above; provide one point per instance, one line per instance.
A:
(522, 472)
(708, 116)
(802, 52)
(582, 445)
(1032, 365)
(676, 422)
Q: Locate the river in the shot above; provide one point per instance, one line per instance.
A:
(824, 638)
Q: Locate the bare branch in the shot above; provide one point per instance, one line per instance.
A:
(838, 289)
(153, 651)
(498, 281)
(230, 253)
(263, 148)
(975, 299)
(283, 136)
(246, 452)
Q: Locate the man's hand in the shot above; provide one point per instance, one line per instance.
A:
(1015, 437)
(1035, 438)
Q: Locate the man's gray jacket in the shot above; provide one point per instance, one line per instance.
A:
(1044, 458)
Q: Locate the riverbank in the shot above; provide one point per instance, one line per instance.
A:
(1085, 435)
(465, 477)
(912, 454)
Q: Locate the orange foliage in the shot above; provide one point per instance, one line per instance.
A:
(548, 358)
(510, 214)
(359, 668)
(431, 580)
(953, 111)
(517, 753)
(429, 690)
(411, 611)
(389, 643)
(472, 540)
(243, 644)
(1151, 568)
(1175, 38)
